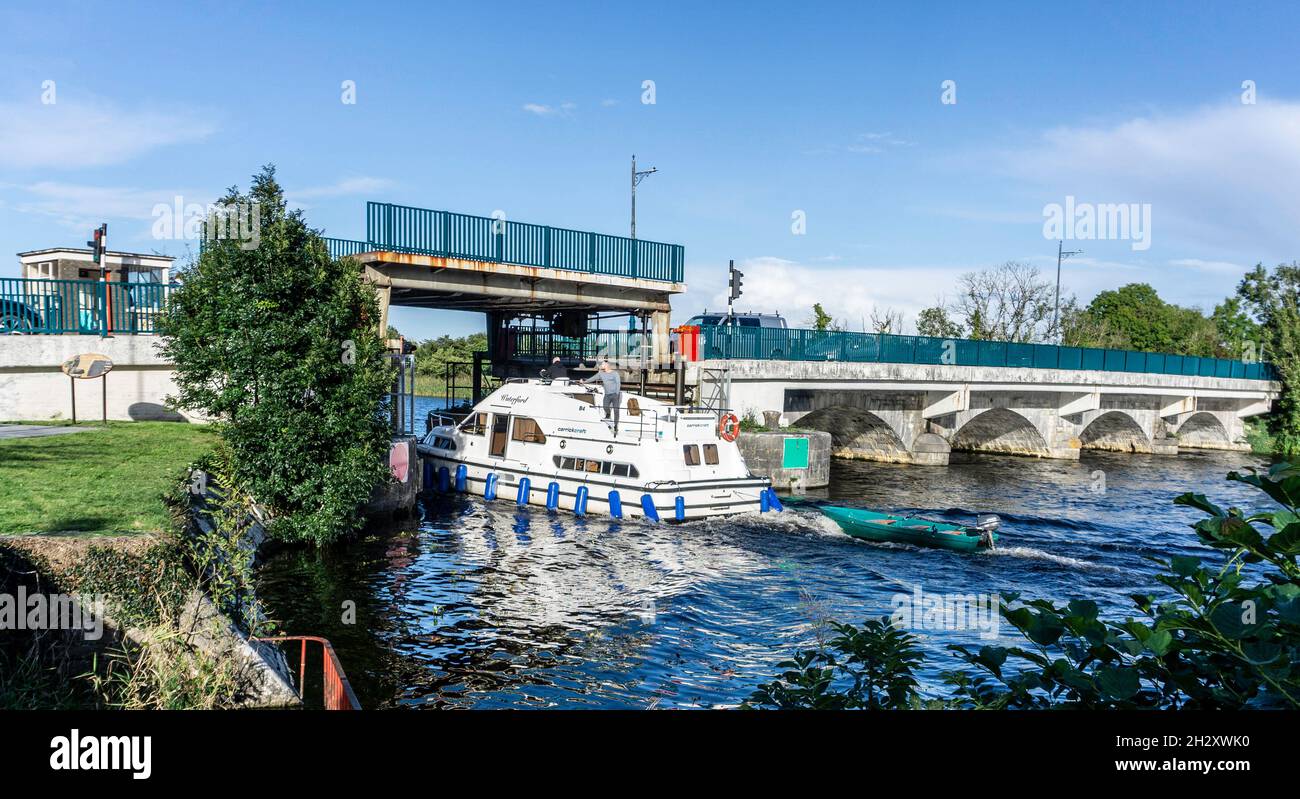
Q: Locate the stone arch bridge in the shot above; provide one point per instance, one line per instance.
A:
(920, 413)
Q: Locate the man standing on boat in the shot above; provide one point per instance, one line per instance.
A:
(557, 371)
(613, 386)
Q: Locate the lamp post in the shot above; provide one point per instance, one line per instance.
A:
(1061, 255)
(637, 177)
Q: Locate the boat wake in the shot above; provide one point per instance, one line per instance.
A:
(1061, 560)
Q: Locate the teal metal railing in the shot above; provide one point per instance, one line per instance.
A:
(400, 228)
(342, 248)
(818, 345)
(80, 306)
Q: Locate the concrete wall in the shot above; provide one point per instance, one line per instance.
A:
(33, 388)
(764, 453)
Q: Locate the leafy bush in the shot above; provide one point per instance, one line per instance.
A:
(279, 343)
(867, 668)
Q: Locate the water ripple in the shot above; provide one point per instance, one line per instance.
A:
(486, 605)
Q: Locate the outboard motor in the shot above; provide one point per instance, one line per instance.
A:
(988, 524)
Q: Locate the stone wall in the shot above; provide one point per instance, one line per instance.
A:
(32, 388)
(764, 451)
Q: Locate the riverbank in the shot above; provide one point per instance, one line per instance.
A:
(101, 516)
(1261, 441)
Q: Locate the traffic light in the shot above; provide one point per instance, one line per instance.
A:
(98, 245)
(734, 281)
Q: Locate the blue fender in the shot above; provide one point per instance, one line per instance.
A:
(462, 478)
(763, 504)
(648, 507)
(774, 500)
(490, 488)
(679, 509)
(553, 496)
(580, 501)
(444, 479)
(525, 489)
(428, 475)
(615, 505)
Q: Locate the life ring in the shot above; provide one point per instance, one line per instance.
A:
(729, 427)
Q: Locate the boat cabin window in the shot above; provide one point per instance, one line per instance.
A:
(474, 425)
(692, 454)
(588, 398)
(526, 429)
(439, 442)
(591, 466)
(711, 454)
(500, 424)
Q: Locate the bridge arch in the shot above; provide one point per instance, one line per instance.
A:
(1203, 430)
(1115, 431)
(1001, 430)
(857, 433)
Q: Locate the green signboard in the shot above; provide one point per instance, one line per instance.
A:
(795, 454)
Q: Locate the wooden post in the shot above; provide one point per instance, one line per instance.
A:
(73, 382)
(103, 384)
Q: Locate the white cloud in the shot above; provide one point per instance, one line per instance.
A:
(1214, 267)
(70, 134)
(347, 187)
(543, 110)
(1220, 180)
(873, 143)
(846, 293)
(79, 207)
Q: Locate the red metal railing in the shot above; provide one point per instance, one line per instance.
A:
(336, 691)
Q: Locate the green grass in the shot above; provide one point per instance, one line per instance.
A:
(101, 481)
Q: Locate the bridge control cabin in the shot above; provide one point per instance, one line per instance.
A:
(544, 290)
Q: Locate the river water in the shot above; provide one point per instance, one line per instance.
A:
(487, 605)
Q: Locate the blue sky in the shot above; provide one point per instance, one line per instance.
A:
(761, 111)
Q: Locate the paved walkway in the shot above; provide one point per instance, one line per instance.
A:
(37, 430)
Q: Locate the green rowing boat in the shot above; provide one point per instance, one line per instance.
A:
(874, 526)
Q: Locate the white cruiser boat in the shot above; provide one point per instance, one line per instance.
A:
(546, 443)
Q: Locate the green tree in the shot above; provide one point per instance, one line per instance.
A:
(1273, 298)
(434, 357)
(821, 320)
(1135, 317)
(278, 344)
(936, 323)
(1237, 334)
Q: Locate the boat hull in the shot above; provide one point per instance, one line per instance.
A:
(700, 500)
(882, 527)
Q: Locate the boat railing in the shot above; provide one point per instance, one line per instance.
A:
(649, 421)
(444, 420)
